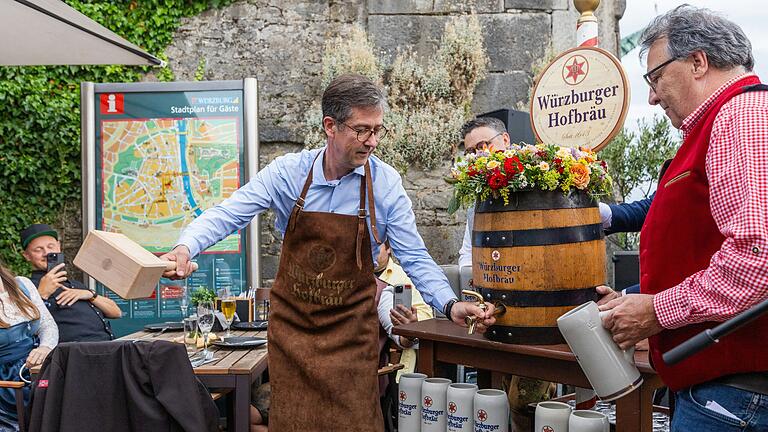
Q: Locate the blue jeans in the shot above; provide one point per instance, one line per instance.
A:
(692, 415)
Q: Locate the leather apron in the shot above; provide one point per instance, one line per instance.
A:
(323, 325)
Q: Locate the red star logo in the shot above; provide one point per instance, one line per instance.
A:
(482, 415)
(575, 70)
(427, 401)
(403, 396)
(452, 407)
(547, 429)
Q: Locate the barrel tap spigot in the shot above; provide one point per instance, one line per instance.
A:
(472, 320)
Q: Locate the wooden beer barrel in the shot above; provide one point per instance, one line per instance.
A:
(541, 255)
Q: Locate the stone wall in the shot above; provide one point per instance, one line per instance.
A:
(280, 42)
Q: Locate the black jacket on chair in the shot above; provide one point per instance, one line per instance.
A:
(120, 386)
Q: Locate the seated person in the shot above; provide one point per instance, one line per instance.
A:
(27, 334)
(389, 271)
(79, 312)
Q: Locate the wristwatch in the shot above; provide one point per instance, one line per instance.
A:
(93, 297)
(448, 307)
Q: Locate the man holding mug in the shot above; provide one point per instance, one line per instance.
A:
(704, 242)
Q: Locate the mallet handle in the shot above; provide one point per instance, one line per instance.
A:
(171, 265)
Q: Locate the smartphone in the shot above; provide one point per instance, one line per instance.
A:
(54, 259)
(403, 295)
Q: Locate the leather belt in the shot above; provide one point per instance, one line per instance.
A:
(755, 382)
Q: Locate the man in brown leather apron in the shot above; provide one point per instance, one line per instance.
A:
(323, 329)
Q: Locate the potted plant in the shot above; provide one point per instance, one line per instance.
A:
(202, 295)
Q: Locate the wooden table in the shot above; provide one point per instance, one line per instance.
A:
(442, 342)
(235, 371)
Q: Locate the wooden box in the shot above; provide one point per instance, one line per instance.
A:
(120, 263)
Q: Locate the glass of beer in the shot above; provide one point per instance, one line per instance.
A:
(228, 309)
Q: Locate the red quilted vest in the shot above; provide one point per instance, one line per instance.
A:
(678, 239)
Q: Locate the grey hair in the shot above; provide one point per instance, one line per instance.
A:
(489, 122)
(689, 29)
(351, 91)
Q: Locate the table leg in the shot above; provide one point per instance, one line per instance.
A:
(634, 412)
(427, 359)
(484, 379)
(241, 401)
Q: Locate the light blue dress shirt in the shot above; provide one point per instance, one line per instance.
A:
(279, 185)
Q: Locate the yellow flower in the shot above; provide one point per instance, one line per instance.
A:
(580, 175)
(543, 166)
(564, 153)
(493, 164)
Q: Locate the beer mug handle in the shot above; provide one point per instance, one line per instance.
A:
(629, 355)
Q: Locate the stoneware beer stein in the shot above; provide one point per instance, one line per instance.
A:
(461, 399)
(491, 411)
(409, 408)
(433, 395)
(588, 421)
(610, 370)
(552, 416)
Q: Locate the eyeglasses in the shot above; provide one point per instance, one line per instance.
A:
(652, 79)
(364, 134)
(481, 145)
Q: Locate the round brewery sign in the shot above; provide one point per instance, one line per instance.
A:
(580, 99)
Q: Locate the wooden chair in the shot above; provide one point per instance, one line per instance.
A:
(17, 387)
(389, 402)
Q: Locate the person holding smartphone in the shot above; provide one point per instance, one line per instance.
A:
(27, 334)
(80, 313)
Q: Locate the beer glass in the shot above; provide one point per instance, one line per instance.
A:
(228, 306)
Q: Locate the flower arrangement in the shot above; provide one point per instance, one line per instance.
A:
(497, 173)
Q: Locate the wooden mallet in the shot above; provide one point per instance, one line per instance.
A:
(121, 264)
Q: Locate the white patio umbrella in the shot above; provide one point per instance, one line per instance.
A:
(49, 32)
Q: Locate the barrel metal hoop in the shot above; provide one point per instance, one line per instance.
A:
(549, 298)
(538, 237)
(536, 200)
(525, 335)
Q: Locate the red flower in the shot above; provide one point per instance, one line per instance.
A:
(497, 180)
(512, 166)
(472, 171)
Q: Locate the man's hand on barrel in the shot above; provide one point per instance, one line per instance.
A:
(631, 319)
(464, 309)
(179, 255)
(606, 294)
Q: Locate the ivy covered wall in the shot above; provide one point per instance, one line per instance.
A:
(40, 116)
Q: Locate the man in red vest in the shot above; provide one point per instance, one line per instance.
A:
(704, 244)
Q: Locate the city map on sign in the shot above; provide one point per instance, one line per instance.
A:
(159, 174)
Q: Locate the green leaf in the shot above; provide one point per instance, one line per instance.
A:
(454, 203)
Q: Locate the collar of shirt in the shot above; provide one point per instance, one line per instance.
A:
(693, 118)
(318, 175)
